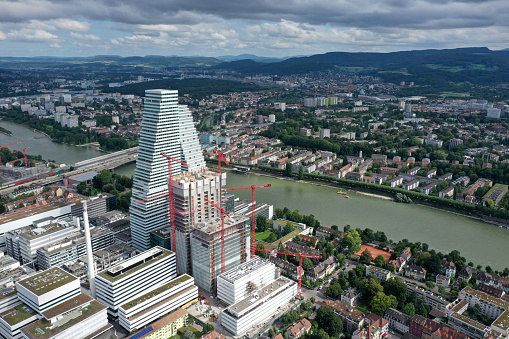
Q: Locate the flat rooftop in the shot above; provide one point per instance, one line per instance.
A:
(207, 174)
(214, 225)
(156, 292)
(486, 297)
(17, 314)
(47, 281)
(502, 321)
(245, 269)
(134, 264)
(28, 212)
(43, 329)
(250, 302)
(469, 321)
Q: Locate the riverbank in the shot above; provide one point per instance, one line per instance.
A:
(5, 131)
(335, 186)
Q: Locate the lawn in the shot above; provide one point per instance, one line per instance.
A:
(262, 236)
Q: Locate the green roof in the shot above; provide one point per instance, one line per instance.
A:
(51, 229)
(44, 325)
(155, 292)
(46, 281)
(287, 237)
(111, 278)
(17, 314)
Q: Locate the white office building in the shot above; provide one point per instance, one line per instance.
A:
(133, 277)
(47, 289)
(240, 282)
(164, 124)
(493, 113)
(79, 317)
(14, 319)
(147, 308)
(254, 310)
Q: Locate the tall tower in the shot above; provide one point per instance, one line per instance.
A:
(166, 127)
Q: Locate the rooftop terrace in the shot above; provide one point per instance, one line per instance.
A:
(17, 314)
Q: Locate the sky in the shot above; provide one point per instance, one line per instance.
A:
(262, 27)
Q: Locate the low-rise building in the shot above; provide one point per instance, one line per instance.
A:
(168, 326)
(352, 318)
(432, 299)
(442, 280)
(350, 296)
(411, 185)
(396, 181)
(447, 192)
(398, 320)
(415, 272)
(378, 272)
(299, 329)
(323, 269)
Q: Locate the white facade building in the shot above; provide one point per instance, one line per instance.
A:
(161, 131)
(238, 283)
(245, 315)
(47, 289)
(147, 308)
(133, 277)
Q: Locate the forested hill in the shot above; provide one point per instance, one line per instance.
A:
(475, 65)
(196, 88)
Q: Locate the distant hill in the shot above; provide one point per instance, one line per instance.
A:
(250, 57)
(475, 65)
(196, 88)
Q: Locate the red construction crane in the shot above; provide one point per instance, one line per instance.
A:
(253, 223)
(24, 155)
(219, 158)
(300, 255)
(6, 146)
(169, 194)
(223, 212)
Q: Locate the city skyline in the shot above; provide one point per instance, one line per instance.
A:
(52, 28)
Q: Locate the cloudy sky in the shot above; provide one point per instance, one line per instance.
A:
(261, 27)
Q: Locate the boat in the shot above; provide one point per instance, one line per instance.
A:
(241, 169)
(346, 196)
(341, 192)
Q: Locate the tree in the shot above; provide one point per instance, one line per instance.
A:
(397, 288)
(288, 229)
(352, 241)
(409, 309)
(441, 289)
(261, 223)
(380, 261)
(261, 254)
(430, 284)
(307, 264)
(289, 317)
(271, 238)
(289, 169)
(321, 334)
(327, 319)
(366, 257)
(188, 334)
(207, 328)
(334, 291)
(381, 302)
(369, 288)
(341, 259)
(335, 326)
(301, 172)
(297, 239)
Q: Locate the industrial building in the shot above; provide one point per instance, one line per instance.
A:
(206, 249)
(133, 277)
(239, 282)
(254, 310)
(166, 127)
(144, 309)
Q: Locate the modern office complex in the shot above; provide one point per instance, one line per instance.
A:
(239, 282)
(206, 249)
(79, 317)
(152, 305)
(47, 289)
(254, 310)
(166, 127)
(133, 277)
(190, 191)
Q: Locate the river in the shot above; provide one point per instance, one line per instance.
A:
(43, 145)
(477, 241)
